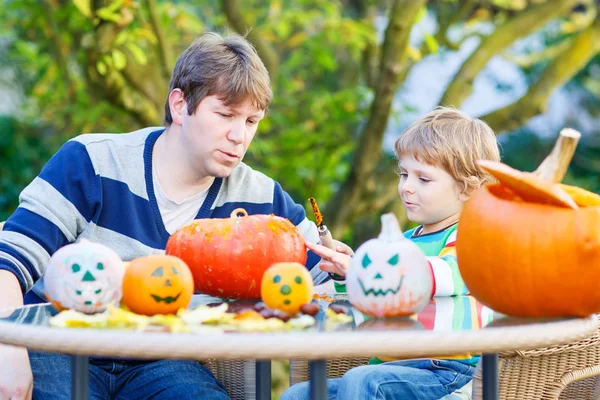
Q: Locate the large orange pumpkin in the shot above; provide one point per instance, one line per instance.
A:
(157, 285)
(229, 256)
(531, 257)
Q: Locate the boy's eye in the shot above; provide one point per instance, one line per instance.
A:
(403, 174)
(224, 115)
(424, 180)
(252, 122)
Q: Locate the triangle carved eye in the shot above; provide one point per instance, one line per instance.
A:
(394, 260)
(366, 261)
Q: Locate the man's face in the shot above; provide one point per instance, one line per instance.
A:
(217, 136)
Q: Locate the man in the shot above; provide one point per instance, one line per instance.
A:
(130, 192)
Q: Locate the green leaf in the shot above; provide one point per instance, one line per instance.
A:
(108, 15)
(138, 54)
(84, 7)
(101, 67)
(119, 59)
(421, 14)
(431, 43)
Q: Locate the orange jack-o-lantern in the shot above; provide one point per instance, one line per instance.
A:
(157, 285)
(287, 287)
(531, 248)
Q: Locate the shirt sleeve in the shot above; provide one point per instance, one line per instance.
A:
(447, 280)
(53, 210)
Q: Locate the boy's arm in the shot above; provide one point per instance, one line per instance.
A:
(284, 206)
(447, 280)
(53, 210)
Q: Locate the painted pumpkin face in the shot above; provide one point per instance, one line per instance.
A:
(389, 276)
(286, 287)
(84, 276)
(157, 285)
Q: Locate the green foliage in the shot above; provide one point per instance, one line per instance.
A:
(24, 150)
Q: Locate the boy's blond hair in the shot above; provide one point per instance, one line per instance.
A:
(449, 139)
(228, 67)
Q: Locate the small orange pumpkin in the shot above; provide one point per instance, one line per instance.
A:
(157, 284)
(528, 257)
(287, 287)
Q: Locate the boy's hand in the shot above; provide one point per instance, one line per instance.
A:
(16, 379)
(336, 262)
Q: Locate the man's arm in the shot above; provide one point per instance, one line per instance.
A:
(53, 210)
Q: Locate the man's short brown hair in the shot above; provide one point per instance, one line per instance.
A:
(228, 67)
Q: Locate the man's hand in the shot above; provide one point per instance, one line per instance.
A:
(16, 379)
(336, 262)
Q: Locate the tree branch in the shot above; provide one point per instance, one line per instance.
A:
(264, 49)
(164, 50)
(523, 24)
(369, 149)
(583, 48)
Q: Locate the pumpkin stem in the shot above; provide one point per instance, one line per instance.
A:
(390, 228)
(235, 213)
(555, 165)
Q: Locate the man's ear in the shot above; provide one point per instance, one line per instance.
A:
(177, 104)
(471, 186)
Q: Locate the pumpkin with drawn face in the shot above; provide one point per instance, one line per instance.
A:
(286, 287)
(389, 276)
(84, 276)
(157, 284)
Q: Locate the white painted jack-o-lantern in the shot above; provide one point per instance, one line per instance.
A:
(389, 276)
(84, 276)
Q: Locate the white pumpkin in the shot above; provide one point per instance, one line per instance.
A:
(389, 276)
(84, 276)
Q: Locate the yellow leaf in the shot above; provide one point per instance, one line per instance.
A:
(413, 53)
(297, 39)
(101, 67)
(84, 7)
(119, 59)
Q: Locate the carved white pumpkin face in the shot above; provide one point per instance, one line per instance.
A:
(389, 276)
(84, 276)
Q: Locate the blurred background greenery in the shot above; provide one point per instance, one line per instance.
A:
(348, 76)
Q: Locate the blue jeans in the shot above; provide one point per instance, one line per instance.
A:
(422, 380)
(125, 380)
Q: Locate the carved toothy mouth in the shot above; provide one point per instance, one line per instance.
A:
(166, 300)
(380, 292)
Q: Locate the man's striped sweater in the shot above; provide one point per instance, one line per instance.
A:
(99, 187)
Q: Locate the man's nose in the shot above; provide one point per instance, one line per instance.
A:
(237, 133)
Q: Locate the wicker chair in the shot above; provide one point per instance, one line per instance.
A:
(238, 377)
(566, 372)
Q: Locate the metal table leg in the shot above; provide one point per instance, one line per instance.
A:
(263, 380)
(80, 378)
(490, 376)
(318, 379)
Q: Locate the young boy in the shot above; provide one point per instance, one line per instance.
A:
(438, 173)
(131, 191)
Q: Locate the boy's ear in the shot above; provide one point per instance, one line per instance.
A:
(177, 104)
(471, 186)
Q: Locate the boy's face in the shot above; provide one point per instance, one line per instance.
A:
(431, 196)
(217, 136)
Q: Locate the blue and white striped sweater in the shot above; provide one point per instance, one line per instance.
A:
(99, 187)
